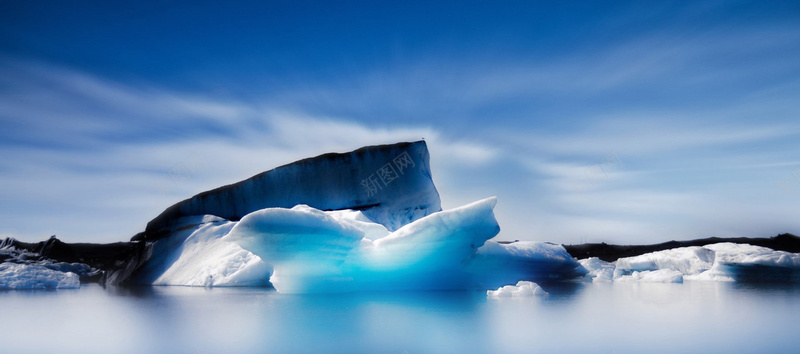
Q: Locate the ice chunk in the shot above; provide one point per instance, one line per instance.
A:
(743, 262)
(303, 245)
(498, 264)
(653, 276)
(198, 256)
(599, 270)
(685, 260)
(720, 262)
(26, 276)
(312, 251)
(522, 289)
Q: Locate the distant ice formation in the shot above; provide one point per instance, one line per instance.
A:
(522, 289)
(720, 261)
(28, 276)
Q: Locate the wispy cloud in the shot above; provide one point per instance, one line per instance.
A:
(91, 159)
(705, 125)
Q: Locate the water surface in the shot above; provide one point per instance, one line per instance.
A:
(701, 317)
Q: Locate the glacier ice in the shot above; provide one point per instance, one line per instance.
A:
(599, 270)
(721, 261)
(312, 251)
(522, 289)
(497, 264)
(197, 255)
(31, 276)
(390, 184)
(653, 276)
(303, 249)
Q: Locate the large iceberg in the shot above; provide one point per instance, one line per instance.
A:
(303, 249)
(721, 261)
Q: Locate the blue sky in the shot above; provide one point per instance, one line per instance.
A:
(625, 122)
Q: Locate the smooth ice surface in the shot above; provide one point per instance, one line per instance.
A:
(522, 289)
(26, 276)
(313, 251)
(198, 256)
(720, 262)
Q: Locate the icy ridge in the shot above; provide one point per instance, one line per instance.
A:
(721, 261)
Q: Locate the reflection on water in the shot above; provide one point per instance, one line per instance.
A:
(576, 317)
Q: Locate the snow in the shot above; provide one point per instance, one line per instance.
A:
(522, 289)
(198, 256)
(27, 276)
(715, 262)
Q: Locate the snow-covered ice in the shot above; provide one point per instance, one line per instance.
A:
(29, 276)
(197, 255)
(653, 276)
(522, 289)
(721, 262)
(497, 264)
(303, 249)
(599, 270)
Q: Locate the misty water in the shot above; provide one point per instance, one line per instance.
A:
(703, 317)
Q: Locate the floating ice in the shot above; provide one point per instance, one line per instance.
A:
(685, 260)
(498, 264)
(303, 249)
(26, 276)
(312, 251)
(198, 256)
(522, 289)
(599, 270)
(720, 262)
(653, 276)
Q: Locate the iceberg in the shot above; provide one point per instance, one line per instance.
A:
(522, 289)
(653, 276)
(28, 276)
(598, 269)
(313, 251)
(717, 262)
(497, 264)
(307, 250)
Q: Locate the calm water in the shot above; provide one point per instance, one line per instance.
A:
(702, 317)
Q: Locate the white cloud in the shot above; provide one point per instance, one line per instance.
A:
(107, 189)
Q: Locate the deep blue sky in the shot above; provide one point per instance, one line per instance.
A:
(696, 104)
